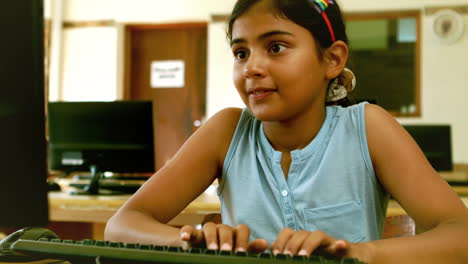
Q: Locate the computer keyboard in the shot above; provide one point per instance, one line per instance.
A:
(458, 183)
(120, 177)
(93, 251)
(117, 185)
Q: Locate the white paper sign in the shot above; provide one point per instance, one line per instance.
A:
(168, 74)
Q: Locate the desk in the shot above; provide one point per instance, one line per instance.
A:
(96, 210)
(86, 215)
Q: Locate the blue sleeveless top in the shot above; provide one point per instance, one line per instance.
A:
(331, 184)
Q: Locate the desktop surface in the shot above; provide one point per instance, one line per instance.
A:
(99, 208)
(455, 178)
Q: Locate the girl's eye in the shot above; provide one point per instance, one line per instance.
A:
(240, 54)
(277, 48)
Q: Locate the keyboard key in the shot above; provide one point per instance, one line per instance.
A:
(101, 243)
(160, 248)
(173, 249)
(350, 261)
(282, 256)
(299, 258)
(116, 244)
(241, 254)
(264, 255)
(225, 253)
(88, 242)
(195, 250)
(211, 252)
(145, 247)
(131, 245)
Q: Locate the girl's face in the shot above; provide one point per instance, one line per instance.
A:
(277, 69)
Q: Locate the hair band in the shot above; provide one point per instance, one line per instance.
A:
(321, 5)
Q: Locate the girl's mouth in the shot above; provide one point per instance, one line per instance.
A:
(260, 94)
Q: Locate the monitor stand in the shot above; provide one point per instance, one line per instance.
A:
(93, 187)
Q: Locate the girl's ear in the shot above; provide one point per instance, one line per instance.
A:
(336, 57)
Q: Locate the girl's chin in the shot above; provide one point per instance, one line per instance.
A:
(264, 114)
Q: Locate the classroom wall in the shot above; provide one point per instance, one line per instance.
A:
(92, 57)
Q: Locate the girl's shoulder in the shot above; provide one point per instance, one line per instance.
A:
(219, 129)
(378, 124)
(227, 117)
(376, 114)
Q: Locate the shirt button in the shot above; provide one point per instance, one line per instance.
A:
(284, 193)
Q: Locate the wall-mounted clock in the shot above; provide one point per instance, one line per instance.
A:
(448, 26)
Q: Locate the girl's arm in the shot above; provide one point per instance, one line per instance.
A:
(406, 174)
(196, 165)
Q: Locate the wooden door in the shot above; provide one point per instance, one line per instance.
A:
(177, 112)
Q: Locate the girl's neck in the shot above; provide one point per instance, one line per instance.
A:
(296, 133)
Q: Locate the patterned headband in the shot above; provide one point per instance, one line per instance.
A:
(321, 5)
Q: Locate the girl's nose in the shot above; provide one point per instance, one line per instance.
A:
(255, 66)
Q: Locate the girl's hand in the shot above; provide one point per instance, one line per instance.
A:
(304, 243)
(222, 237)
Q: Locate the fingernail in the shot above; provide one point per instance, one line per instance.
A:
(185, 235)
(213, 246)
(276, 252)
(303, 252)
(226, 246)
(340, 243)
(185, 246)
(240, 249)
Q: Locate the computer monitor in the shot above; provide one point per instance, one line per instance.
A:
(23, 171)
(435, 142)
(100, 137)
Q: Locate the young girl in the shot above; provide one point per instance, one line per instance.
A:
(298, 172)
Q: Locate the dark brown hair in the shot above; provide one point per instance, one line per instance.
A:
(303, 13)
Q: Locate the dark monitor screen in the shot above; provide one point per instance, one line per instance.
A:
(435, 142)
(113, 136)
(23, 171)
